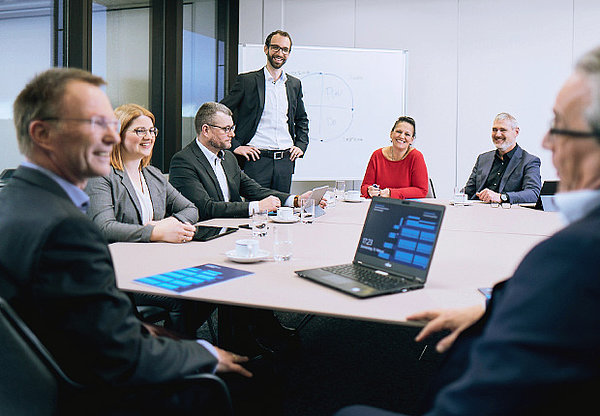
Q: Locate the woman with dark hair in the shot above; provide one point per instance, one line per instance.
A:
(397, 171)
(136, 203)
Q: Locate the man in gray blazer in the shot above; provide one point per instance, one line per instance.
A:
(207, 173)
(507, 174)
(58, 273)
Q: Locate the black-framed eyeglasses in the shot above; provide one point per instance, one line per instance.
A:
(142, 131)
(578, 134)
(94, 121)
(226, 129)
(277, 48)
(573, 133)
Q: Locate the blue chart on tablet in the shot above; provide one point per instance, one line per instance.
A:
(190, 278)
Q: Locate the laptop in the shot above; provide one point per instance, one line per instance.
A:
(548, 188)
(317, 194)
(394, 251)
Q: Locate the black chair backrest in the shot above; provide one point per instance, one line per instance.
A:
(431, 191)
(31, 382)
(29, 377)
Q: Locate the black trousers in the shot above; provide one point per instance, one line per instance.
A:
(186, 315)
(271, 173)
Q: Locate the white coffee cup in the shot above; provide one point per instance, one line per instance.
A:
(285, 213)
(353, 195)
(246, 248)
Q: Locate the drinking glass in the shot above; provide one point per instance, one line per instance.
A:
(307, 211)
(340, 189)
(259, 223)
(282, 246)
(330, 197)
(459, 198)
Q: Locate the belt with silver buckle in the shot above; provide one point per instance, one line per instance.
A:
(275, 154)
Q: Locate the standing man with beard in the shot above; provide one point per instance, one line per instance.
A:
(272, 124)
(507, 174)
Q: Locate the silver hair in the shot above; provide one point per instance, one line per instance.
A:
(505, 116)
(589, 66)
(207, 112)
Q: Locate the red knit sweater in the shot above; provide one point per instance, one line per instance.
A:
(406, 178)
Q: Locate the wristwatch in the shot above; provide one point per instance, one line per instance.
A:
(504, 198)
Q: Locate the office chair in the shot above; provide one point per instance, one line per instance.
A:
(431, 191)
(32, 383)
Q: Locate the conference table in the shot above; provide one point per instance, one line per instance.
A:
(478, 246)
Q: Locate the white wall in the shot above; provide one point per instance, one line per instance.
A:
(468, 60)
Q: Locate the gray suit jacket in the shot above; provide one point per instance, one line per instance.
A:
(115, 208)
(193, 176)
(57, 273)
(521, 181)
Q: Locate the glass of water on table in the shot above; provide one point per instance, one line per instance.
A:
(259, 223)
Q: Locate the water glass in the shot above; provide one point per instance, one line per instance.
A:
(459, 198)
(330, 197)
(282, 246)
(259, 223)
(340, 189)
(307, 211)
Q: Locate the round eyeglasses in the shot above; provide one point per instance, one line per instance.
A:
(143, 131)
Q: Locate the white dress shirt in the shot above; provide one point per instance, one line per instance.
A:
(143, 195)
(215, 163)
(272, 131)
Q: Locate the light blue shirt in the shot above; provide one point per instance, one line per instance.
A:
(75, 194)
(575, 205)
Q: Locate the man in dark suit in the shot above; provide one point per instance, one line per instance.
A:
(507, 174)
(207, 174)
(58, 274)
(272, 124)
(535, 349)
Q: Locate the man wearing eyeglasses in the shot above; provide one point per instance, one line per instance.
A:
(207, 173)
(272, 124)
(509, 174)
(535, 349)
(57, 271)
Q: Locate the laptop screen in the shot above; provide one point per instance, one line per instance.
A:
(399, 236)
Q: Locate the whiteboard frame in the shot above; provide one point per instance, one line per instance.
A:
(241, 69)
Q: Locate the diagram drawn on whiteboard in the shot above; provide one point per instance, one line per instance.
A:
(329, 103)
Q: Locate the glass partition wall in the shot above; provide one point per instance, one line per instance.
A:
(167, 55)
(26, 38)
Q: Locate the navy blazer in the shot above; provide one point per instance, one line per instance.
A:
(115, 208)
(247, 101)
(57, 273)
(192, 175)
(522, 181)
(535, 351)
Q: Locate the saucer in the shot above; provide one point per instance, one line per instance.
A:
(468, 202)
(262, 255)
(361, 199)
(294, 219)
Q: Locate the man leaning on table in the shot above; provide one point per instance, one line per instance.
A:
(507, 174)
(207, 173)
(534, 351)
(58, 273)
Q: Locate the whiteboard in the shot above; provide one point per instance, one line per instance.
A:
(352, 97)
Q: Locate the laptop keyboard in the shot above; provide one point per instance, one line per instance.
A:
(365, 276)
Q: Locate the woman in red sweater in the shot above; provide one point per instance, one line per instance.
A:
(397, 171)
